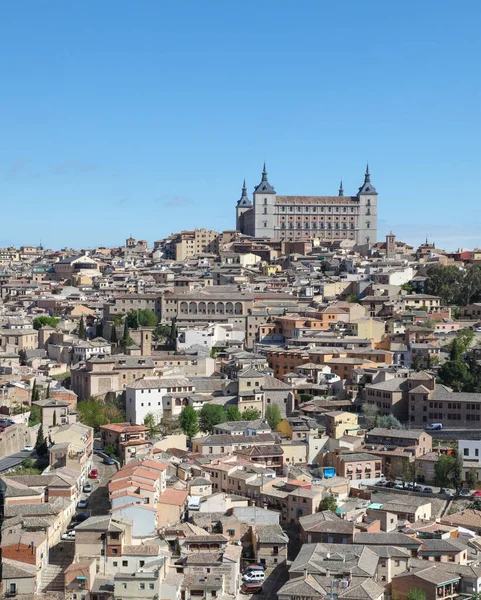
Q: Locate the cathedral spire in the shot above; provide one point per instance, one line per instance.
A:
(244, 199)
(264, 186)
(367, 175)
(341, 190)
(264, 173)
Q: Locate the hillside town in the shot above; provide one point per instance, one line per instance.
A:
(290, 410)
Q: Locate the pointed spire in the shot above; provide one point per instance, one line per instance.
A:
(244, 199)
(264, 173)
(341, 190)
(367, 175)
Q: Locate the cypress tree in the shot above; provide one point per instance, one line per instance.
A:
(82, 333)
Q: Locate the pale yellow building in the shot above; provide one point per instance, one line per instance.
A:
(340, 423)
(192, 243)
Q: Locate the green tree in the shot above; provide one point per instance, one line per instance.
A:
(41, 443)
(54, 420)
(471, 478)
(352, 298)
(390, 422)
(455, 352)
(416, 594)
(211, 415)
(91, 412)
(189, 422)
(445, 282)
(305, 397)
(34, 391)
(149, 421)
(40, 322)
(273, 416)
(456, 477)
(109, 449)
(442, 471)
(99, 330)
(328, 503)
(47, 393)
(35, 414)
(82, 332)
(232, 414)
(448, 471)
(113, 334)
(455, 374)
(465, 338)
(173, 330)
(369, 412)
(126, 339)
(408, 287)
(141, 318)
(250, 414)
(118, 320)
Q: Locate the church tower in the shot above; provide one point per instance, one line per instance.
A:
(367, 219)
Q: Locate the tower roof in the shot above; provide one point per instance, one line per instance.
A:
(264, 186)
(367, 187)
(244, 199)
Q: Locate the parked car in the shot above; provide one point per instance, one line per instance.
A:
(418, 488)
(390, 484)
(427, 490)
(28, 449)
(254, 577)
(251, 588)
(83, 503)
(476, 494)
(80, 517)
(254, 567)
(87, 488)
(97, 450)
(94, 473)
(464, 492)
(381, 483)
(398, 486)
(109, 461)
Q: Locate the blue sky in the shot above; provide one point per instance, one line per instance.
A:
(143, 118)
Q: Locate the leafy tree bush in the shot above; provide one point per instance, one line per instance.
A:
(328, 503)
(448, 471)
(149, 421)
(40, 322)
(189, 422)
(141, 318)
(250, 414)
(232, 414)
(35, 414)
(95, 412)
(273, 416)
(41, 443)
(211, 415)
(416, 594)
(471, 478)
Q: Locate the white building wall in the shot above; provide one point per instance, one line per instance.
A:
(138, 403)
(469, 450)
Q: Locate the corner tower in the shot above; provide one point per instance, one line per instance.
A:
(367, 219)
(243, 205)
(264, 208)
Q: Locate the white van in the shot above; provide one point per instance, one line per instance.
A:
(193, 503)
(254, 577)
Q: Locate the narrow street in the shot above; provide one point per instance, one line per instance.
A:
(99, 503)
